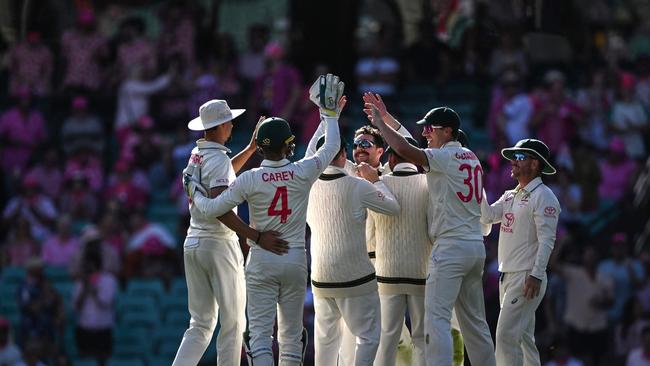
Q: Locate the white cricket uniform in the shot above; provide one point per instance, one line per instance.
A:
(277, 194)
(528, 218)
(214, 268)
(403, 249)
(454, 179)
(343, 279)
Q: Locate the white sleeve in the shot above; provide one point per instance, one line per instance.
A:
(311, 147)
(378, 198)
(226, 201)
(437, 159)
(492, 214)
(545, 215)
(317, 163)
(149, 87)
(403, 131)
(217, 170)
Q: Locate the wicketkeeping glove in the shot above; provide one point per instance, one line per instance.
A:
(325, 92)
(191, 184)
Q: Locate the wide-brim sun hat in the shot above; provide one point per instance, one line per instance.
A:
(535, 148)
(213, 113)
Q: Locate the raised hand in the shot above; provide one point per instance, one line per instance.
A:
(326, 92)
(374, 99)
(253, 142)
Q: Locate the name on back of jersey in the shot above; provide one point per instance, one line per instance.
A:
(277, 176)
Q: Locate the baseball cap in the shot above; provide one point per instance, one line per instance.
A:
(410, 141)
(273, 132)
(213, 113)
(533, 147)
(441, 117)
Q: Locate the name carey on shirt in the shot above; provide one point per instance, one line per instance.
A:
(467, 155)
(277, 176)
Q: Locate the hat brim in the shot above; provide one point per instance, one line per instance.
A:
(198, 125)
(508, 153)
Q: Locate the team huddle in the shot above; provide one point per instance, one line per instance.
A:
(386, 241)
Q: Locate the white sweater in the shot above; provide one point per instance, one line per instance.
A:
(336, 214)
(402, 242)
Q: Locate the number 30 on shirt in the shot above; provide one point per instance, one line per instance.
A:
(474, 183)
(285, 211)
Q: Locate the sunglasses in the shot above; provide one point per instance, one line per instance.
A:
(520, 156)
(366, 144)
(430, 128)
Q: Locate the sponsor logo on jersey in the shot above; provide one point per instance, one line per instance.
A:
(196, 159)
(506, 226)
(276, 177)
(550, 211)
(514, 301)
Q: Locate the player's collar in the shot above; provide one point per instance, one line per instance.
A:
(452, 143)
(405, 167)
(204, 144)
(275, 163)
(334, 170)
(531, 186)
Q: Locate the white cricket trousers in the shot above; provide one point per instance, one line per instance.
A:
(516, 325)
(361, 314)
(455, 281)
(393, 308)
(214, 271)
(276, 285)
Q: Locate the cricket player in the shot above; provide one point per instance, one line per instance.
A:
(454, 180)
(277, 194)
(214, 265)
(528, 216)
(343, 279)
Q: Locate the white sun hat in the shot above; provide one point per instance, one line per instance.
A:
(213, 113)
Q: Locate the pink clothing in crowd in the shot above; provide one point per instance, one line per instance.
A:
(559, 126)
(273, 89)
(22, 135)
(58, 251)
(615, 179)
(30, 66)
(50, 179)
(81, 52)
(88, 165)
(97, 313)
(178, 38)
(139, 52)
(20, 251)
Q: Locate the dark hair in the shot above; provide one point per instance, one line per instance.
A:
(369, 130)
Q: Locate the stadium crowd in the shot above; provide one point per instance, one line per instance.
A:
(93, 140)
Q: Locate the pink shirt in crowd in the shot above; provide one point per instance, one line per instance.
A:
(50, 179)
(97, 314)
(80, 51)
(30, 66)
(90, 166)
(22, 135)
(615, 179)
(57, 251)
(273, 90)
(138, 52)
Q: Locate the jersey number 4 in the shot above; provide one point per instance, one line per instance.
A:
(475, 187)
(285, 211)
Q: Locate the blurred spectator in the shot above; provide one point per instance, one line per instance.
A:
(84, 50)
(30, 66)
(22, 129)
(629, 120)
(124, 189)
(150, 249)
(177, 32)
(251, 62)
(226, 68)
(134, 50)
(569, 193)
(640, 356)
(113, 232)
(556, 116)
(33, 206)
(10, 354)
(86, 162)
(170, 103)
(277, 91)
(588, 296)
(626, 272)
(42, 313)
(586, 173)
(82, 129)
(59, 248)
(377, 71)
(205, 85)
(422, 57)
(93, 299)
(161, 172)
(93, 244)
(595, 100)
(48, 172)
(306, 112)
(561, 356)
(34, 353)
(142, 146)
(133, 99)
(627, 333)
(19, 246)
(511, 110)
(508, 56)
(618, 172)
(78, 200)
